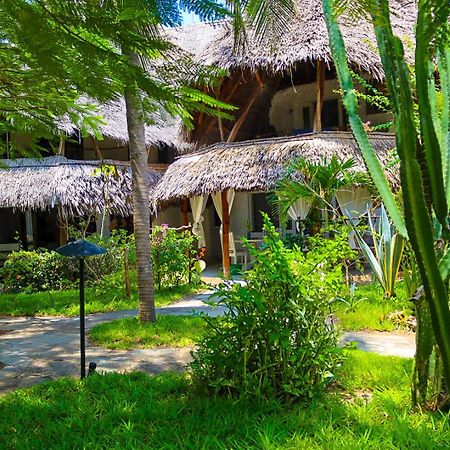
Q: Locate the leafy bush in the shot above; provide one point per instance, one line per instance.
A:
(44, 270)
(40, 270)
(275, 339)
(113, 260)
(173, 256)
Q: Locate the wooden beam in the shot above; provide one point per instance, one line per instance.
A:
(184, 211)
(226, 99)
(62, 227)
(320, 77)
(225, 235)
(98, 153)
(222, 133)
(239, 122)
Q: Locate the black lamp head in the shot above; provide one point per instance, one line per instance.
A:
(81, 249)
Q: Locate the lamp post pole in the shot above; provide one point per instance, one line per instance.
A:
(82, 249)
(82, 322)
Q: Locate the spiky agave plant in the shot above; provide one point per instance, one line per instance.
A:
(386, 256)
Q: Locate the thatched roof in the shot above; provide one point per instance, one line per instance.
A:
(305, 39)
(164, 129)
(259, 164)
(75, 186)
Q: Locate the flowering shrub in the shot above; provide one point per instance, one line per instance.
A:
(44, 270)
(173, 256)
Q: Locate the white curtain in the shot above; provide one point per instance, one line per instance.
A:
(354, 202)
(299, 210)
(198, 205)
(217, 200)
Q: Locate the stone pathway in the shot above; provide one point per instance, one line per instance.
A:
(37, 349)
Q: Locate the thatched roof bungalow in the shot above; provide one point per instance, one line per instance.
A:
(257, 165)
(77, 188)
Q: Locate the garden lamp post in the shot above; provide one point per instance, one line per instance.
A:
(81, 249)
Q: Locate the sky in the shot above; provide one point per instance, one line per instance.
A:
(190, 18)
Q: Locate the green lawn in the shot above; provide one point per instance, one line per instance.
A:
(137, 411)
(371, 312)
(66, 302)
(168, 331)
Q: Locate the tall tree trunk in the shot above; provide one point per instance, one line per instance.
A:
(141, 209)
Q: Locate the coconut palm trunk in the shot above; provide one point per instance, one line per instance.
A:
(140, 190)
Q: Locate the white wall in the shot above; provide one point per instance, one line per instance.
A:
(240, 217)
(170, 215)
(286, 112)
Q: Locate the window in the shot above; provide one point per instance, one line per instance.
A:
(166, 155)
(10, 226)
(330, 114)
(260, 203)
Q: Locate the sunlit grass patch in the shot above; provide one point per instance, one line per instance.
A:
(66, 303)
(167, 331)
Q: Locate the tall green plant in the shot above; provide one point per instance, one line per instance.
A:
(424, 155)
(275, 339)
(386, 256)
(316, 183)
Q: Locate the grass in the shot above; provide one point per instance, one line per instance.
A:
(137, 411)
(65, 303)
(371, 312)
(129, 333)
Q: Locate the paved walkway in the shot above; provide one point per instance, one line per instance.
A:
(37, 349)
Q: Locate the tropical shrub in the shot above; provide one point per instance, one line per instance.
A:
(44, 270)
(173, 256)
(275, 339)
(39, 270)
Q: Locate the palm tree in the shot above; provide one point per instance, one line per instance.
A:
(140, 190)
(77, 43)
(316, 183)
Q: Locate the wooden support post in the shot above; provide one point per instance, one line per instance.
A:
(62, 227)
(320, 95)
(225, 235)
(184, 211)
(62, 147)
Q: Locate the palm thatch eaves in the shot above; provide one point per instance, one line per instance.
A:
(163, 130)
(74, 186)
(258, 165)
